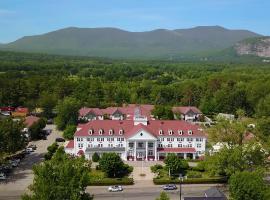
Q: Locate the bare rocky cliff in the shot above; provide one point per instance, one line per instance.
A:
(255, 46)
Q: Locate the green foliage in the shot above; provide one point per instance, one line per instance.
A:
(175, 164)
(163, 112)
(155, 168)
(248, 186)
(51, 150)
(95, 157)
(111, 181)
(11, 137)
(47, 102)
(113, 166)
(60, 178)
(194, 174)
(239, 158)
(36, 129)
(163, 196)
(209, 180)
(69, 132)
(67, 113)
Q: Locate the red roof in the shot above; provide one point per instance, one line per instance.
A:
(70, 144)
(22, 110)
(186, 109)
(80, 152)
(127, 110)
(9, 108)
(129, 128)
(84, 111)
(177, 150)
(30, 120)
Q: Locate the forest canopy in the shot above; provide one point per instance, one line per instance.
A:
(29, 79)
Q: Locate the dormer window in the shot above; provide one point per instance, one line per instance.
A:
(121, 132)
(190, 132)
(90, 132)
(111, 132)
(160, 132)
(100, 132)
(170, 132)
(180, 132)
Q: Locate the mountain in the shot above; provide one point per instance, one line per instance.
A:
(254, 46)
(117, 43)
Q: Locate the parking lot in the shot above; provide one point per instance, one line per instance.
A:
(22, 176)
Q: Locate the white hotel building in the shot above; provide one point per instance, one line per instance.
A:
(138, 139)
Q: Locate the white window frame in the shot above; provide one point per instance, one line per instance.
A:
(180, 132)
(100, 131)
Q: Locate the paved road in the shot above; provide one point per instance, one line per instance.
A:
(138, 192)
(22, 176)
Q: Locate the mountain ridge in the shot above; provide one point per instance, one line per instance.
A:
(117, 43)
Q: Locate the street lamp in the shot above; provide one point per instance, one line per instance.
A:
(180, 185)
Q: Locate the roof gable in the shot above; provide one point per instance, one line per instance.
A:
(141, 133)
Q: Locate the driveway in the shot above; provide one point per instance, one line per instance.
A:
(22, 176)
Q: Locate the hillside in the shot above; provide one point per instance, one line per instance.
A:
(117, 43)
(254, 46)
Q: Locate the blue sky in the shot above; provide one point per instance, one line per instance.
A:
(29, 17)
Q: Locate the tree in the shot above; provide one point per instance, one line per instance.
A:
(228, 161)
(60, 178)
(248, 186)
(113, 166)
(51, 150)
(230, 133)
(163, 112)
(35, 129)
(11, 136)
(69, 132)
(67, 113)
(95, 157)
(47, 102)
(163, 196)
(263, 107)
(175, 164)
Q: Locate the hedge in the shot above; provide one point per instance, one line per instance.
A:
(111, 181)
(161, 181)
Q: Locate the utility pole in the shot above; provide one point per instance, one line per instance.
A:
(180, 185)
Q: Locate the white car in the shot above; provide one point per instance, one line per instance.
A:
(3, 176)
(29, 150)
(115, 188)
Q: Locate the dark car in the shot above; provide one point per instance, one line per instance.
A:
(170, 187)
(59, 140)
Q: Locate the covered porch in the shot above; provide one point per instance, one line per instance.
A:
(142, 150)
(180, 152)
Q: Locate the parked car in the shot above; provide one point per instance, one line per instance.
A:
(59, 140)
(170, 187)
(33, 146)
(115, 188)
(14, 163)
(50, 121)
(29, 150)
(3, 176)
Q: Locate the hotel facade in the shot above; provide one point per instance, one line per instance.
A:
(138, 138)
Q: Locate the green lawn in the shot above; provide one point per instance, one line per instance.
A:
(97, 177)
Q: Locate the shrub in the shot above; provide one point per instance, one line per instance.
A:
(69, 132)
(160, 181)
(111, 181)
(95, 157)
(194, 174)
(155, 168)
